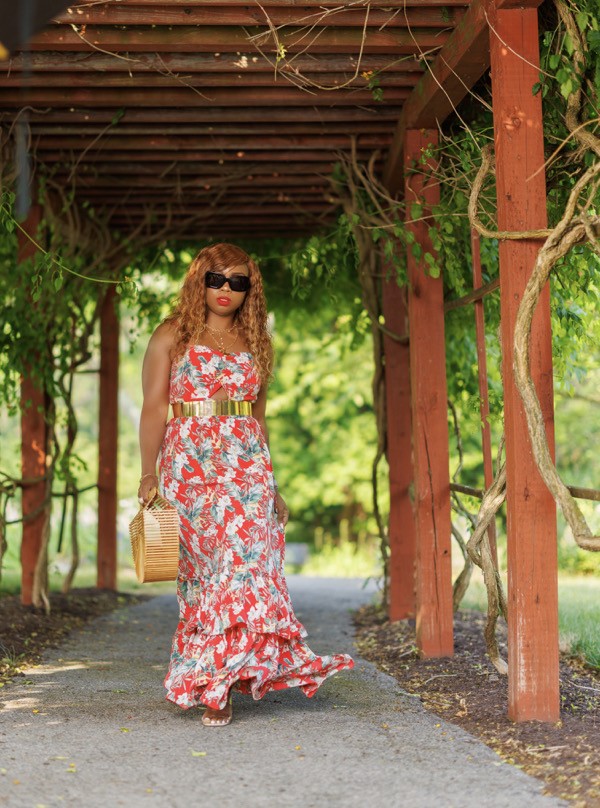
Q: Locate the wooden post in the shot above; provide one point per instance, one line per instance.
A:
(531, 518)
(33, 439)
(402, 534)
(429, 414)
(108, 428)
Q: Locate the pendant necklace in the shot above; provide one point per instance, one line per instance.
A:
(218, 336)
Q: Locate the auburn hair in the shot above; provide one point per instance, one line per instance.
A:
(189, 315)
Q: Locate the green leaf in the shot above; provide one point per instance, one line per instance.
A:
(416, 210)
(117, 116)
(553, 61)
(569, 45)
(582, 19)
(593, 38)
(566, 89)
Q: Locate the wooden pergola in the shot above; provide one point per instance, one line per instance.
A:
(225, 119)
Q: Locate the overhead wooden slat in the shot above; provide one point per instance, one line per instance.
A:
(286, 114)
(116, 141)
(368, 128)
(375, 125)
(297, 4)
(346, 82)
(199, 158)
(195, 196)
(186, 97)
(94, 61)
(175, 169)
(182, 39)
(251, 15)
(281, 179)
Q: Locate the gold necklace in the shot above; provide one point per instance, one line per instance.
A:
(218, 336)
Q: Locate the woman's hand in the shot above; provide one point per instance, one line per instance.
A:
(147, 484)
(282, 510)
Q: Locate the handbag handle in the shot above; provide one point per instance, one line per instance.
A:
(152, 494)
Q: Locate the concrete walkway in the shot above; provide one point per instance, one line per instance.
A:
(90, 727)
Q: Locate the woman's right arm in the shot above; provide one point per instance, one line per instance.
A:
(156, 371)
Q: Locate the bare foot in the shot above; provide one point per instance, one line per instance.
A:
(218, 718)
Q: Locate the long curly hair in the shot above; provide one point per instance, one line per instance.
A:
(189, 315)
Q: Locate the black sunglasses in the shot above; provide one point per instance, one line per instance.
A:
(237, 283)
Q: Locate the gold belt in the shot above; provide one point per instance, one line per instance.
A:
(211, 406)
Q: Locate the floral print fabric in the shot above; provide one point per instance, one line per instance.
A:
(236, 622)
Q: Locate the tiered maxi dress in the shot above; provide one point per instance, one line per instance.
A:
(236, 624)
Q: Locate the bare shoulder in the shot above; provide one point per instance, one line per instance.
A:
(163, 337)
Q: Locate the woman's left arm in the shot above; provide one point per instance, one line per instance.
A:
(259, 410)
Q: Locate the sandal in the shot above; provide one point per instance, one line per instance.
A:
(219, 721)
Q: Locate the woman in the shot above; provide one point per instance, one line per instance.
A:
(211, 359)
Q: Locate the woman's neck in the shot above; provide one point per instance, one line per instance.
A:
(219, 323)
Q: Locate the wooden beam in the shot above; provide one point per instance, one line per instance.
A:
(533, 681)
(402, 531)
(221, 157)
(242, 116)
(186, 98)
(131, 210)
(347, 82)
(108, 431)
(461, 62)
(211, 183)
(116, 142)
(294, 132)
(238, 196)
(172, 171)
(254, 14)
(223, 39)
(47, 62)
(34, 439)
(429, 415)
(396, 4)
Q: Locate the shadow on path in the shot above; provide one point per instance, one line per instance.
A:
(90, 726)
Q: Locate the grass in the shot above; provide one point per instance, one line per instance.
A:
(578, 614)
(345, 561)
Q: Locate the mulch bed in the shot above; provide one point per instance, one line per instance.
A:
(25, 632)
(467, 690)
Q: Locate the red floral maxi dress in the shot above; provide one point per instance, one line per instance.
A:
(236, 622)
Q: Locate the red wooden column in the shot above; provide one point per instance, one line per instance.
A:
(429, 416)
(33, 440)
(402, 534)
(531, 518)
(108, 427)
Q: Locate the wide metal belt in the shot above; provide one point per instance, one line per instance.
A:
(210, 406)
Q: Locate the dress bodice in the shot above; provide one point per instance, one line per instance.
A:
(201, 371)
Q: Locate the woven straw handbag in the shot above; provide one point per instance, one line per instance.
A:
(154, 532)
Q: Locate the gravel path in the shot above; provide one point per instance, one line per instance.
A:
(90, 727)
